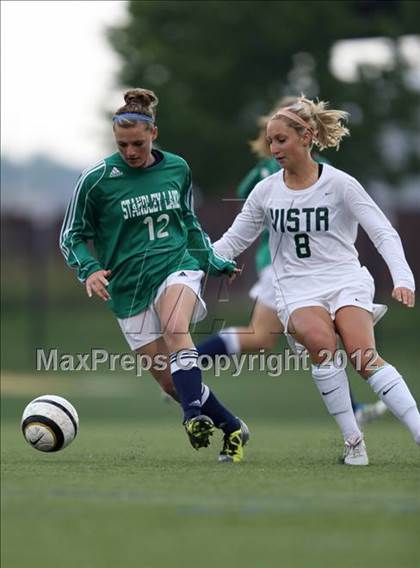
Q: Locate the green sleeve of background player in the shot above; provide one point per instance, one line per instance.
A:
(249, 182)
(79, 227)
(199, 244)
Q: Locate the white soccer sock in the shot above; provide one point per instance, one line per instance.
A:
(391, 388)
(230, 338)
(333, 385)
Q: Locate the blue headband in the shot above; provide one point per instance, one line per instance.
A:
(135, 116)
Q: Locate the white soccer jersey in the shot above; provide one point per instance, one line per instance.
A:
(312, 234)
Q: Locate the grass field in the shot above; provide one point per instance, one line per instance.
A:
(130, 491)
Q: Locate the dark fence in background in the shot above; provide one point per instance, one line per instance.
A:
(30, 249)
(45, 306)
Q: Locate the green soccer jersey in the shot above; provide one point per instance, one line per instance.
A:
(143, 228)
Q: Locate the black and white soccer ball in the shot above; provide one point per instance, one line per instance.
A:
(49, 423)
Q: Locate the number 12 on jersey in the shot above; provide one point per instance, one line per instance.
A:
(303, 249)
(160, 233)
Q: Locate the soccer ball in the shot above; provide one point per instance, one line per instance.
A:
(49, 423)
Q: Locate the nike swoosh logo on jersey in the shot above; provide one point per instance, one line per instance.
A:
(329, 392)
(390, 388)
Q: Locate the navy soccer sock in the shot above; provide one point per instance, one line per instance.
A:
(220, 415)
(212, 346)
(355, 405)
(187, 380)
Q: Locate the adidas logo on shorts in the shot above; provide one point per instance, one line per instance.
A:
(115, 172)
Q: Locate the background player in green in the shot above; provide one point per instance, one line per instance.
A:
(265, 327)
(151, 254)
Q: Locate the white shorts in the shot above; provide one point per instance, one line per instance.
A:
(355, 293)
(358, 294)
(145, 327)
(263, 290)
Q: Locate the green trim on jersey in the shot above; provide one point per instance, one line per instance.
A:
(264, 168)
(143, 228)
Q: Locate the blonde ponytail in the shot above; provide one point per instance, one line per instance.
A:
(325, 124)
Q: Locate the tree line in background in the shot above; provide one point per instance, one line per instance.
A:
(218, 65)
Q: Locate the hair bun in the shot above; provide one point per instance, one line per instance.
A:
(141, 96)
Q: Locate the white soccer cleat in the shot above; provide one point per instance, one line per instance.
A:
(355, 451)
(369, 412)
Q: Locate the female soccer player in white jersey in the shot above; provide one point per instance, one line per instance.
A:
(151, 254)
(265, 327)
(312, 212)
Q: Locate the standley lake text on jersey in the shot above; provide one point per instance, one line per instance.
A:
(153, 203)
(296, 220)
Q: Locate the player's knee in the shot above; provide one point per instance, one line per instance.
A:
(175, 333)
(320, 342)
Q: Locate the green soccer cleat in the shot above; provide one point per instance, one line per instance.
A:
(233, 445)
(199, 430)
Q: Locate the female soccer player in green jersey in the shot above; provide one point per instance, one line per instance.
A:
(151, 254)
